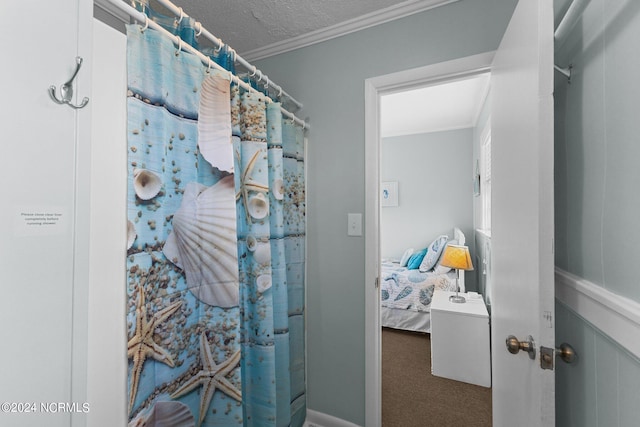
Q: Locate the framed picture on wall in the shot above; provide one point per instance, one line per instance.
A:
(389, 193)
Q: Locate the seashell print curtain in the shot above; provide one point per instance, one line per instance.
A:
(216, 238)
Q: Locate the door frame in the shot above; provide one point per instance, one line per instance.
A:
(375, 87)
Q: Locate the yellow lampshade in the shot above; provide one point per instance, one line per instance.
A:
(456, 256)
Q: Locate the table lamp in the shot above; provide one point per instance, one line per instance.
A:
(458, 257)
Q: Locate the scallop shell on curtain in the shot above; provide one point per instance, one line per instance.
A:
(203, 242)
(214, 122)
(165, 414)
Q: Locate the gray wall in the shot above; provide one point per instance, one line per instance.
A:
(329, 77)
(597, 175)
(435, 191)
(597, 204)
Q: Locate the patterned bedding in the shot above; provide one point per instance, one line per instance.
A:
(410, 289)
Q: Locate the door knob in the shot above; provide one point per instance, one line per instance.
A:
(566, 353)
(514, 346)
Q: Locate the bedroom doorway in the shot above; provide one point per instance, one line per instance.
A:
(522, 111)
(446, 166)
(431, 138)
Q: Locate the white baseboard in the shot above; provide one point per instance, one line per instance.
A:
(616, 316)
(319, 419)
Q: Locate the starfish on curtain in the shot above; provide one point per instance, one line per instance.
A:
(247, 184)
(142, 345)
(211, 377)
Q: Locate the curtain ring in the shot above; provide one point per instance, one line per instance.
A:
(260, 77)
(232, 51)
(179, 46)
(200, 30)
(217, 51)
(279, 91)
(254, 71)
(209, 67)
(146, 25)
(181, 15)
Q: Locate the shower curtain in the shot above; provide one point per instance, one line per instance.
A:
(216, 240)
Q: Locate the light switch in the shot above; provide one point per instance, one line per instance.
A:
(354, 221)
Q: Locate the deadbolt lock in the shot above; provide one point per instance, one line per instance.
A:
(565, 352)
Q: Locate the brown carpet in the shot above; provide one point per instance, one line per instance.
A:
(412, 397)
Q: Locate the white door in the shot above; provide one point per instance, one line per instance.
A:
(522, 215)
(44, 216)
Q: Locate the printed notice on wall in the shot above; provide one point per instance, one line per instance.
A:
(40, 221)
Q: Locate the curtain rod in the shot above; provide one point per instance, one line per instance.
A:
(179, 12)
(571, 16)
(141, 17)
(569, 19)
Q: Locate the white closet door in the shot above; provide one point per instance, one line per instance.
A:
(44, 215)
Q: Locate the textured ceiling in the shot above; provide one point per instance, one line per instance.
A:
(247, 25)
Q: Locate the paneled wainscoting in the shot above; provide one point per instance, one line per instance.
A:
(601, 389)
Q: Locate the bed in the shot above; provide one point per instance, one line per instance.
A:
(406, 292)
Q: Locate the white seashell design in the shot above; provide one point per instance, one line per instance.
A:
(146, 183)
(203, 242)
(131, 234)
(278, 189)
(214, 122)
(252, 242)
(263, 282)
(165, 414)
(262, 252)
(258, 206)
(170, 250)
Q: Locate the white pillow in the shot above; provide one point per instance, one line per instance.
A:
(434, 250)
(405, 257)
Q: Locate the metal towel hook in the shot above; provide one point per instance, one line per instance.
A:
(66, 90)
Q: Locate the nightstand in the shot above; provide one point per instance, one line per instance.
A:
(460, 347)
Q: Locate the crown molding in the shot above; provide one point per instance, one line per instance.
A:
(350, 26)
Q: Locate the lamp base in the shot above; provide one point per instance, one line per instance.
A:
(457, 299)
